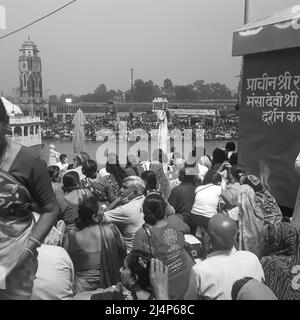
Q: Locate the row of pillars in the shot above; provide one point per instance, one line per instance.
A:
(36, 131)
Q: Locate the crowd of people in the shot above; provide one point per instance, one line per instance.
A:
(170, 228)
(220, 129)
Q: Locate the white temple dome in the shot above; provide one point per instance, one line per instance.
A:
(11, 108)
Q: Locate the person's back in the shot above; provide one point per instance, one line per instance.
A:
(214, 277)
(217, 273)
(84, 250)
(206, 200)
(164, 238)
(97, 250)
(182, 197)
(55, 275)
(169, 248)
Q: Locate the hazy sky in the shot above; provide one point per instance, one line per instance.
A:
(98, 41)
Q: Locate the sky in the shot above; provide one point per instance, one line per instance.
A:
(98, 41)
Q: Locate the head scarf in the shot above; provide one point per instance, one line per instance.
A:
(253, 182)
(281, 239)
(163, 183)
(272, 212)
(281, 265)
(251, 221)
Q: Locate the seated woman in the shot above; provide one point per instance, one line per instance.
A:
(70, 200)
(159, 167)
(174, 175)
(97, 185)
(281, 260)
(250, 221)
(97, 250)
(142, 278)
(164, 238)
(229, 195)
(116, 174)
(207, 197)
(55, 177)
(271, 210)
(149, 178)
(132, 166)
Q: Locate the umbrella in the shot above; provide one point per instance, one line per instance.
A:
(78, 132)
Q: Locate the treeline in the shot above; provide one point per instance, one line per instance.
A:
(146, 91)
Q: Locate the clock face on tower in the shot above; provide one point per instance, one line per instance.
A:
(23, 66)
(36, 67)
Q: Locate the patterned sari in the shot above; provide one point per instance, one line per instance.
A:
(272, 212)
(282, 264)
(16, 223)
(251, 221)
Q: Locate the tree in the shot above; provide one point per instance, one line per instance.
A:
(220, 91)
(100, 90)
(144, 91)
(181, 93)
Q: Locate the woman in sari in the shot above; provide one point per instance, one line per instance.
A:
(97, 250)
(55, 177)
(23, 179)
(174, 176)
(159, 167)
(116, 174)
(251, 221)
(281, 260)
(97, 185)
(163, 237)
(142, 278)
(71, 199)
(131, 168)
(271, 210)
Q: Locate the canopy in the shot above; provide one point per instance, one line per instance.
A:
(280, 30)
(78, 132)
(11, 108)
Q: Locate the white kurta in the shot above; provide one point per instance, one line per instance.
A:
(53, 157)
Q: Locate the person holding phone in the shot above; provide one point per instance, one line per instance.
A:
(142, 278)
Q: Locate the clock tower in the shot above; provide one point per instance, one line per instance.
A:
(30, 74)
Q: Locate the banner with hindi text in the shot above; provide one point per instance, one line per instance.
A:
(269, 126)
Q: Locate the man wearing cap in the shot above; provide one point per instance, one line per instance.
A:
(214, 277)
(24, 179)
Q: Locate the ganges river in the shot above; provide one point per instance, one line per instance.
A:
(92, 146)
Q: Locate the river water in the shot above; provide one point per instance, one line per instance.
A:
(92, 147)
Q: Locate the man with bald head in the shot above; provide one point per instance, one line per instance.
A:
(214, 277)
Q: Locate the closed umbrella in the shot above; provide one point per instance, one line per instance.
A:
(78, 132)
